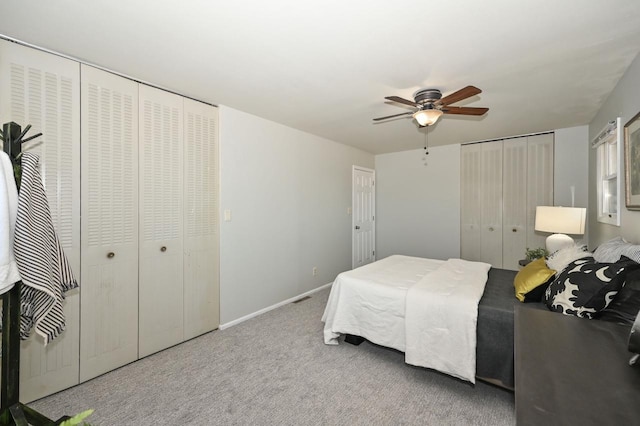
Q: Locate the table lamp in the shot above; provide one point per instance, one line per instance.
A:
(560, 221)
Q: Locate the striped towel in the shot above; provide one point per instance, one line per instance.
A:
(45, 271)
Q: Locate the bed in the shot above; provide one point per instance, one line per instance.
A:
(375, 302)
(354, 310)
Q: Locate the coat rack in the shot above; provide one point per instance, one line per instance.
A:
(13, 412)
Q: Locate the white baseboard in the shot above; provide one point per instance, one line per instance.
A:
(272, 307)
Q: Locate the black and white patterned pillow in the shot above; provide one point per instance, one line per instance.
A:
(625, 306)
(586, 287)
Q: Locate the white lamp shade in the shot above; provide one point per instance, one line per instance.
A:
(561, 220)
(427, 117)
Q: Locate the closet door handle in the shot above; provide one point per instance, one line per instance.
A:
(491, 228)
(163, 249)
(514, 230)
(111, 255)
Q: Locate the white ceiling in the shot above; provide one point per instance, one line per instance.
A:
(324, 67)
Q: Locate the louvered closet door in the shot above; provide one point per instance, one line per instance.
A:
(161, 220)
(109, 296)
(201, 238)
(514, 235)
(539, 183)
(44, 90)
(470, 202)
(491, 208)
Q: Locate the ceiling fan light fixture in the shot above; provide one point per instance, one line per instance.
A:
(427, 117)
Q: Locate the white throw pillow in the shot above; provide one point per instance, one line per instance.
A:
(563, 257)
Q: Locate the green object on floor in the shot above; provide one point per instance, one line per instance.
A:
(78, 419)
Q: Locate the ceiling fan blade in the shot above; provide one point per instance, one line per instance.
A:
(391, 116)
(400, 100)
(464, 110)
(461, 94)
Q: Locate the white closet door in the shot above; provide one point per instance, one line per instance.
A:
(201, 237)
(470, 202)
(539, 183)
(161, 220)
(514, 237)
(44, 90)
(491, 208)
(109, 296)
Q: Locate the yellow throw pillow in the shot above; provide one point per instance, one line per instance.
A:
(531, 276)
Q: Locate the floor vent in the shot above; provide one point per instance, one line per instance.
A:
(302, 300)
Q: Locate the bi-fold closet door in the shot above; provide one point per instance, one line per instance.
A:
(481, 202)
(109, 284)
(43, 90)
(514, 233)
(502, 182)
(117, 263)
(201, 212)
(178, 226)
(151, 277)
(161, 286)
(178, 234)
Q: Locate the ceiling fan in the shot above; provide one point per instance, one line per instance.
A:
(431, 105)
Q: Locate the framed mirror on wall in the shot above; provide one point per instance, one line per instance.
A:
(632, 162)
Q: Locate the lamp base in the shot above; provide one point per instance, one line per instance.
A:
(557, 241)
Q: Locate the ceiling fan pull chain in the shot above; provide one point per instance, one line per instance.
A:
(426, 141)
(426, 144)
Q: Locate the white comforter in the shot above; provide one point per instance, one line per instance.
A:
(426, 308)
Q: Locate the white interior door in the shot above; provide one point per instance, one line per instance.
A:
(363, 216)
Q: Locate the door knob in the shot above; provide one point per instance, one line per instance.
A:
(357, 227)
(110, 255)
(163, 249)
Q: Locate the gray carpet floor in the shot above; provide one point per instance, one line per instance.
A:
(275, 370)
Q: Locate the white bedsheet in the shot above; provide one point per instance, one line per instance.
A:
(441, 318)
(372, 302)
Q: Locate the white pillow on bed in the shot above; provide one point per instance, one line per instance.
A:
(563, 257)
(612, 250)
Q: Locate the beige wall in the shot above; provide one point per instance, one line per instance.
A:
(623, 102)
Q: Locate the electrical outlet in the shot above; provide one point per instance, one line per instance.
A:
(314, 271)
